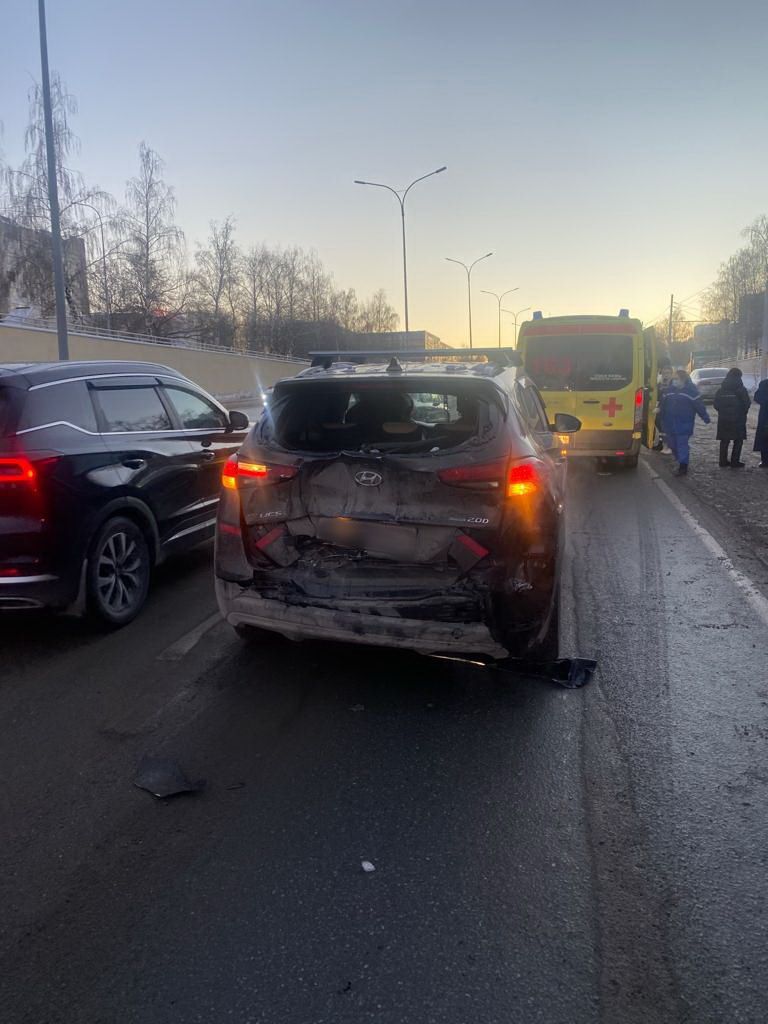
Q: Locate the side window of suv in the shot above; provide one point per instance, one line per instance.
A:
(132, 410)
(195, 412)
(67, 404)
(533, 410)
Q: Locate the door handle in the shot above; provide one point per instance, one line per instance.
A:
(208, 455)
(134, 463)
(591, 401)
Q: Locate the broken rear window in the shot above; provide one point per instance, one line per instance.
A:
(358, 415)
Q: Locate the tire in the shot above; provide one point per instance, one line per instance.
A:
(548, 648)
(523, 643)
(631, 461)
(119, 571)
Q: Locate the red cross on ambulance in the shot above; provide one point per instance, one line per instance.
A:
(612, 407)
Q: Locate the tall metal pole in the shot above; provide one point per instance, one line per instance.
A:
(516, 315)
(468, 269)
(400, 195)
(498, 300)
(670, 336)
(53, 194)
(405, 264)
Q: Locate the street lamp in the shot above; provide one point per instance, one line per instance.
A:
(498, 299)
(400, 195)
(516, 315)
(53, 192)
(469, 285)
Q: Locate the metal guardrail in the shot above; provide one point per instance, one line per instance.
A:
(86, 330)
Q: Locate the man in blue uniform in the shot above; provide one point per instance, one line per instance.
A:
(680, 406)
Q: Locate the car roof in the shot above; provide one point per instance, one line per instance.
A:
(27, 374)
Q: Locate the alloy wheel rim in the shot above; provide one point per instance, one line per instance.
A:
(119, 573)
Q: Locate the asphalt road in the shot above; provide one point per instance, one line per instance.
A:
(541, 855)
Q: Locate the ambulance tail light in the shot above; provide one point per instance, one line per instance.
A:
(639, 406)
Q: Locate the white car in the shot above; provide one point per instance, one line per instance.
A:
(708, 379)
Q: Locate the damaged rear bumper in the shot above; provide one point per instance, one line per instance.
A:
(241, 606)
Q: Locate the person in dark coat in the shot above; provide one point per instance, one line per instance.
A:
(680, 406)
(732, 402)
(761, 434)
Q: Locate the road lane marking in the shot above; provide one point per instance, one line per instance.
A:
(752, 593)
(184, 644)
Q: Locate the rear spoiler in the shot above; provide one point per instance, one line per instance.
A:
(502, 357)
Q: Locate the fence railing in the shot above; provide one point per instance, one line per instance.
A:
(87, 330)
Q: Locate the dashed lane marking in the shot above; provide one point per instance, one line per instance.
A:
(753, 594)
(184, 644)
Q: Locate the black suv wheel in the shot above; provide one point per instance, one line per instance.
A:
(119, 568)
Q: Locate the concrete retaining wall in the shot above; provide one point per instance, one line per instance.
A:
(224, 374)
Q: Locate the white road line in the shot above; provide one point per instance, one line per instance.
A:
(752, 593)
(185, 643)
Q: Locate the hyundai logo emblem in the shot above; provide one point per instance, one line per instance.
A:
(367, 478)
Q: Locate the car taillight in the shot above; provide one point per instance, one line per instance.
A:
(237, 470)
(518, 479)
(486, 477)
(639, 404)
(17, 471)
(522, 479)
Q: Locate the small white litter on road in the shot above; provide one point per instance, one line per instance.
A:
(368, 867)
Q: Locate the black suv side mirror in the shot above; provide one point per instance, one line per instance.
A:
(238, 421)
(566, 424)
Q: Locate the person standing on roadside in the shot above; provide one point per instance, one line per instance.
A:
(679, 408)
(732, 402)
(761, 434)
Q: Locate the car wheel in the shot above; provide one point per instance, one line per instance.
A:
(548, 648)
(119, 568)
(630, 461)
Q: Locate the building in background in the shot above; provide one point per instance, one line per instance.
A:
(26, 272)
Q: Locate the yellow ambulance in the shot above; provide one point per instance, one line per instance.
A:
(602, 369)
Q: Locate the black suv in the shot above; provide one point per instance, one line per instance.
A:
(105, 469)
(411, 501)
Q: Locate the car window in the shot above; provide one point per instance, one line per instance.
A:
(533, 410)
(132, 409)
(580, 363)
(5, 410)
(62, 403)
(195, 412)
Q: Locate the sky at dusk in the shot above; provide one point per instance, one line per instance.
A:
(608, 153)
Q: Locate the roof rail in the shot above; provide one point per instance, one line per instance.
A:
(498, 356)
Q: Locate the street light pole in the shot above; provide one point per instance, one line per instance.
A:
(400, 195)
(469, 285)
(498, 300)
(516, 315)
(53, 193)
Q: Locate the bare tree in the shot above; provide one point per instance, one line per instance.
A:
(218, 282)
(24, 199)
(154, 282)
(376, 315)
